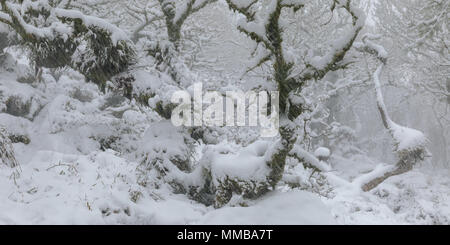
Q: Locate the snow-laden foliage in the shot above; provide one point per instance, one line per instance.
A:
(76, 153)
(59, 37)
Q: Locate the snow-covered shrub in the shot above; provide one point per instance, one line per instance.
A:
(58, 37)
(243, 171)
(409, 145)
(237, 173)
(296, 175)
(18, 128)
(163, 147)
(165, 58)
(165, 153)
(19, 99)
(16, 107)
(223, 171)
(151, 89)
(77, 114)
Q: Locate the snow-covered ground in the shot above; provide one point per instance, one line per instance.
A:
(102, 188)
(66, 178)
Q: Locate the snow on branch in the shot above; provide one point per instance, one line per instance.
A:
(409, 144)
(318, 67)
(5, 18)
(146, 15)
(261, 28)
(309, 159)
(372, 48)
(405, 139)
(117, 34)
(261, 23)
(14, 13)
(59, 37)
(295, 4)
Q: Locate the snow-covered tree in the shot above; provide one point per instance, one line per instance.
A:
(262, 21)
(409, 144)
(59, 37)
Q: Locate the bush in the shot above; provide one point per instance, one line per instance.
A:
(59, 38)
